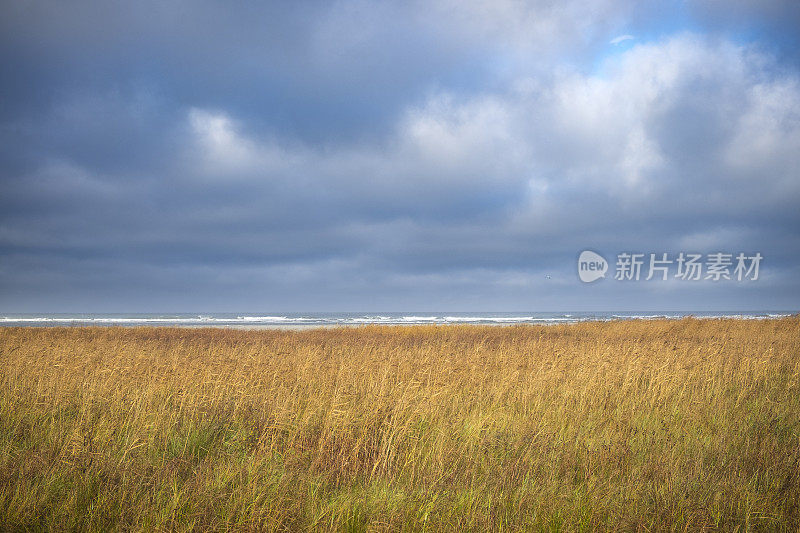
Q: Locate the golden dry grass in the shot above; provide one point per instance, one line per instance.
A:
(642, 425)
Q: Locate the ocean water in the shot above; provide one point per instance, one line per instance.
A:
(256, 320)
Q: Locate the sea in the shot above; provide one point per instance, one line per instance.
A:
(306, 320)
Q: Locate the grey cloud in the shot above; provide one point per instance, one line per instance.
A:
(357, 157)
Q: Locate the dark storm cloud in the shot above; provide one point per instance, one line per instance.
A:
(310, 69)
(368, 156)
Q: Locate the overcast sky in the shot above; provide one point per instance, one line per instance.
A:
(397, 156)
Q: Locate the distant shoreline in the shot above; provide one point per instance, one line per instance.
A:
(165, 324)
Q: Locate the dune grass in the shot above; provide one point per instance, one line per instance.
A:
(638, 425)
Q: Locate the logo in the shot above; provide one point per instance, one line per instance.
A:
(664, 266)
(591, 266)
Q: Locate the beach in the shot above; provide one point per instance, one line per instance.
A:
(649, 424)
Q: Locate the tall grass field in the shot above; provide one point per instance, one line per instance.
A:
(661, 425)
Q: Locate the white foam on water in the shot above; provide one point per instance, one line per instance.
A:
(224, 320)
